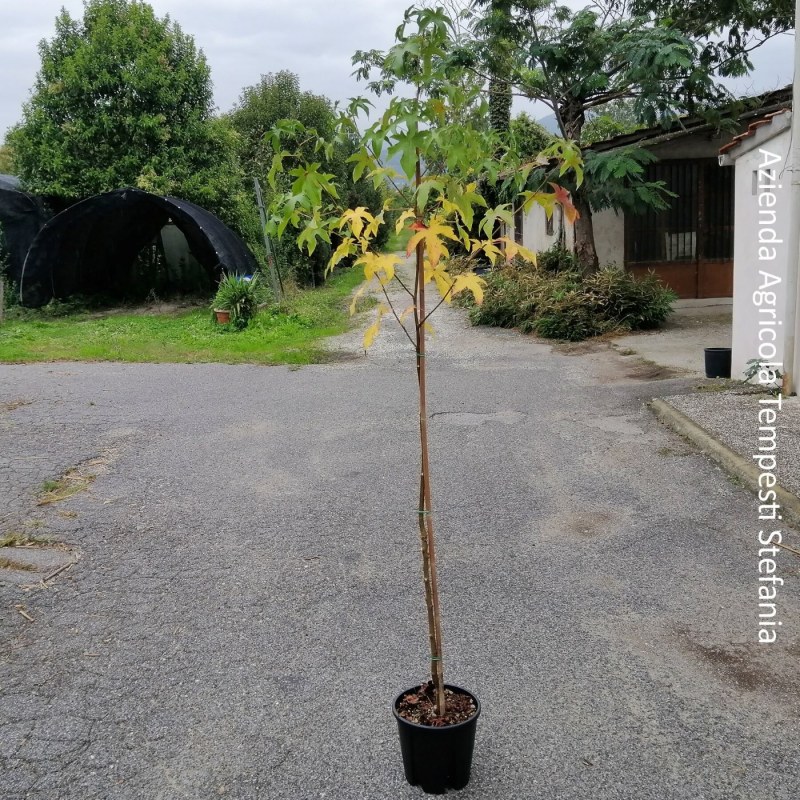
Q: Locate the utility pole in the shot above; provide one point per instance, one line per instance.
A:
(274, 274)
(793, 241)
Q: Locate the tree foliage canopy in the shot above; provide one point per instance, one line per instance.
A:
(278, 98)
(659, 58)
(729, 29)
(260, 107)
(6, 159)
(124, 98)
(120, 94)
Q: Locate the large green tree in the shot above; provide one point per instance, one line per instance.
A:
(124, 98)
(278, 97)
(729, 29)
(580, 62)
(6, 159)
(275, 97)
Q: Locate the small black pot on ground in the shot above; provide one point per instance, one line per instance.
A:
(718, 362)
(437, 759)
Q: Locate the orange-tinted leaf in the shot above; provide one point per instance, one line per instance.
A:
(565, 201)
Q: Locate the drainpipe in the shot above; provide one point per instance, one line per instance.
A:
(793, 240)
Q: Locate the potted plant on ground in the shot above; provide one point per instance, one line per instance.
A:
(442, 157)
(236, 300)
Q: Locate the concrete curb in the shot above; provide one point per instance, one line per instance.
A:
(728, 459)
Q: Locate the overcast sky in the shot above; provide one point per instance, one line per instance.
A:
(243, 39)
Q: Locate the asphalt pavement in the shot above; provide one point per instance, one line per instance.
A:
(242, 595)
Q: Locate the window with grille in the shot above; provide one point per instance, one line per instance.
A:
(549, 224)
(519, 219)
(699, 223)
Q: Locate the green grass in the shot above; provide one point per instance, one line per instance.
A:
(289, 335)
(399, 241)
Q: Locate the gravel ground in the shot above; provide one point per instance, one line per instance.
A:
(732, 417)
(246, 597)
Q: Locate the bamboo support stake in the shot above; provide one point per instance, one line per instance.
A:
(426, 507)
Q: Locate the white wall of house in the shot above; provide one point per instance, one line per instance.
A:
(609, 232)
(609, 236)
(534, 229)
(761, 227)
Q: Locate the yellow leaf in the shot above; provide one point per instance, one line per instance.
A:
(357, 296)
(440, 276)
(428, 327)
(431, 236)
(528, 255)
(380, 266)
(374, 329)
(513, 249)
(346, 248)
(372, 227)
(545, 199)
(407, 214)
(489, 247)
(356, 219)
(469, 281)
(444, 283)
(449, 207)
(406, 312)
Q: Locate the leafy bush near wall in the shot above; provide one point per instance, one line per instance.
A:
(558, 259)
(560, 302)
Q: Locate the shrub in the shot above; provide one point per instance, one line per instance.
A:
(558, 259)
(571, 316)
(563, 303)
(503, 300)
(636, 303)
(295, 265)
(240, 295)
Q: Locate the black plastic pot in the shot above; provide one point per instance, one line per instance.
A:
(718, 362)
(437, 759)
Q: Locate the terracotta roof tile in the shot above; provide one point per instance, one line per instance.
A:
(751, 129)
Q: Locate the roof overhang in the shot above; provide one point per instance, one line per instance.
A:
(755, 136)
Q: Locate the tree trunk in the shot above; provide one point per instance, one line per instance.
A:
(574, 117)
(500, 104)
(584, 233)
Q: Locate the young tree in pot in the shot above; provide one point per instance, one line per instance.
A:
(441, 158)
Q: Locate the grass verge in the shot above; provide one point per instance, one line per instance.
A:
(290, 334)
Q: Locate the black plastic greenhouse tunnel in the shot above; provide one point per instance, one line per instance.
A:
(92, 247)
(21, 217)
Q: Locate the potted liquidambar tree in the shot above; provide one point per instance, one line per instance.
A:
(442, 157)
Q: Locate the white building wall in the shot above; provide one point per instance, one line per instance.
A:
(749, 227)
(609, 232)
(609, 236)
(534, 229)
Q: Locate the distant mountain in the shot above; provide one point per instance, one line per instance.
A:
(550, 124)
